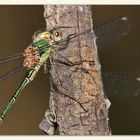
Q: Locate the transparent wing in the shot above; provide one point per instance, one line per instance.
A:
(116, 84)
(10, 58)
(120, 85)
(107, 33)
(11, 72)
(111, 31)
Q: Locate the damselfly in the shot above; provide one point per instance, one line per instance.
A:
(40, 49)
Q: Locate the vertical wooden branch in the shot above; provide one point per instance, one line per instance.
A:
(80, 80)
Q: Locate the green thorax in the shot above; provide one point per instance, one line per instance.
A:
(44, 48)
(41, 43)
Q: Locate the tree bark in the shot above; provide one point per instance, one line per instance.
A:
(77, 103)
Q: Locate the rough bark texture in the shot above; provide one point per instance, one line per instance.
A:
(79, 78)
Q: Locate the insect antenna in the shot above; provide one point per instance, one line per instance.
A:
(11, 72)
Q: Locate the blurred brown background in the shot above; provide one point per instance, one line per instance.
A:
(18, 23)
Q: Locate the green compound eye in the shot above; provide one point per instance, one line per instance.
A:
(56, 35)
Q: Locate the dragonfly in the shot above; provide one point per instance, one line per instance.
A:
(38, 52)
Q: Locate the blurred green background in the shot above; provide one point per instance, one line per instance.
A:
(18, 23)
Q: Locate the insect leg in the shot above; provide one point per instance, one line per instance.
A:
(45, 67)
(67, 94)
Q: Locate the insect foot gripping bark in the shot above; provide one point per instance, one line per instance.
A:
(77, 102)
